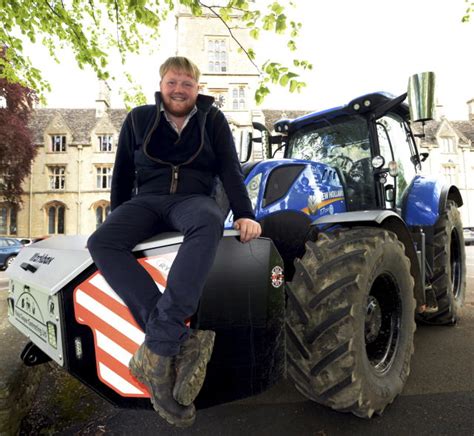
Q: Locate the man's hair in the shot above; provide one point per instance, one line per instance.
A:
(180, 63)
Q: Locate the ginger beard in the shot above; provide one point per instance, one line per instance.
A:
(179, 92)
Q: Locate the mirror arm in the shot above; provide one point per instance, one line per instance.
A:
(283, 145)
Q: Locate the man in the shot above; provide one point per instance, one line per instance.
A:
(167, 158)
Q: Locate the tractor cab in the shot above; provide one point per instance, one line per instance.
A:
(368, 142)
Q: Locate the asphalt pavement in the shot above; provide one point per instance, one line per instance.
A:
(437, 400)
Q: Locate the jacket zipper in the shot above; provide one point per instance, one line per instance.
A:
(174, 168)
(174, 179)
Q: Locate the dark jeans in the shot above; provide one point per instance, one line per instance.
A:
(161, 317)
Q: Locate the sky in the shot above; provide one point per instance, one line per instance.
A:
(356, 47)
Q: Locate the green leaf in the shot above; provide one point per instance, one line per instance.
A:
(277, 8)
(280, 25)
(293, 85)
(284, 80)
(255, 33)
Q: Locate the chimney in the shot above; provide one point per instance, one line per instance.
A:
(470, 109)
(439, 111)
(102, 102)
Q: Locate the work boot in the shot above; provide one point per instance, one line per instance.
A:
(191, 365)
(158, 374)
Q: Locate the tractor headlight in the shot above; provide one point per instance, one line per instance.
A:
(378, 162)
(52, 334)
(253, 188)
(11, 306)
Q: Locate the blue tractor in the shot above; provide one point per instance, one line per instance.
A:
(367, 242)
(364, 243)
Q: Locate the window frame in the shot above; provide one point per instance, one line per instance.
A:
(57, 219)
(53, 178)
(238, 93)
(223, 43)
(10, 226)
(62, 143)
(448, 144)
(110, 143)
(104, 207)
(105, 176)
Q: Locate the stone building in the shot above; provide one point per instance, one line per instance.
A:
(226, 72)
(450, 145)
(69, 187)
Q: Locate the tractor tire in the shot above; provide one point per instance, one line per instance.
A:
(351, 320)
(449, 268)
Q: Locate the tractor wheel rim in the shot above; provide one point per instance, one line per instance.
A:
(382, 323)
(456, 263)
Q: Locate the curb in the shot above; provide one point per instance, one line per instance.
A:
(18, 382)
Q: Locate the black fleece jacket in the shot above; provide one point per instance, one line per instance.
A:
(153, 159)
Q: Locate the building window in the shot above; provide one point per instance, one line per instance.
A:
(217, 55)
(105, 142)
(238, 98)
(447, 144)
(450, 173)
(56, 218)
(8, 220)
(57, 177)
(101, 213)
(58, 143)
(104, 177)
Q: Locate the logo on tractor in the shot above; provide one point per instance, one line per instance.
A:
(41, 258)
(277, 276)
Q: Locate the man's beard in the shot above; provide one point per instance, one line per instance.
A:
(178, 113)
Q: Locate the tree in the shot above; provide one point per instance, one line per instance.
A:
(93, 29)
(470, 8)
(16, 146)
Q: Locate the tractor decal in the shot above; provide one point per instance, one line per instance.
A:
(116, 334)
(277, 276)
(312, 210)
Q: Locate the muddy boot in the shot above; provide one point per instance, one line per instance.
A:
(191, 365)
(158, 374)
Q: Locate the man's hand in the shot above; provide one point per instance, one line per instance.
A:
(249, 229)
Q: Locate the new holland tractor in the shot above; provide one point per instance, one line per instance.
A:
(356, 246)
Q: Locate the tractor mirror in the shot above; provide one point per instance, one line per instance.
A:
(265, 139)
(245, 152)
(421, 96)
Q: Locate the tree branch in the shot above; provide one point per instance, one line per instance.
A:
(78, 37)
(211, 8)
(91, 4)
(119, 42)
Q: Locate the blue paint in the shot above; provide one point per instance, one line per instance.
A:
(422, 204)
(316, 192)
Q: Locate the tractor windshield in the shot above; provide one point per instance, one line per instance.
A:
(335, 144)
(344, 145)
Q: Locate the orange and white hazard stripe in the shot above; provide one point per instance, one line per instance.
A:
(116, 333)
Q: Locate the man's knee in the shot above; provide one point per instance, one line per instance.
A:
(95, 242)
(211, 220)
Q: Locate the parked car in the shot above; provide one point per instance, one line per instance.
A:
(468, 235)
(29, 241)
(9, 248)
(25, 241)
